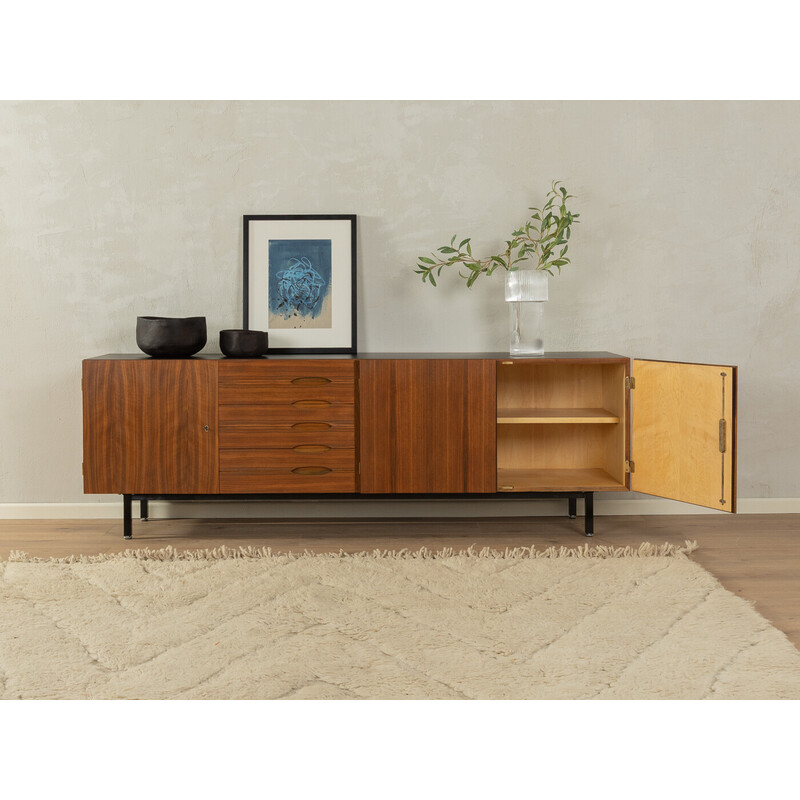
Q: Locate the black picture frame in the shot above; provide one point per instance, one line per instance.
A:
(297, 319)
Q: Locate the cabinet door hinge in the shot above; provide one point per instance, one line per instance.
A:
(630, 466)
(630, 383)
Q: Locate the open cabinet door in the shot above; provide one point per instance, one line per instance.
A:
(683, 432)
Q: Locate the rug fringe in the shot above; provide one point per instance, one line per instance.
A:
(169, 553)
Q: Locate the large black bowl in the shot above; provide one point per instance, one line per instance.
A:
(171, 337)
(243, 343)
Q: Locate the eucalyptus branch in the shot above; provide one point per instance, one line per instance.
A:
(540, 241)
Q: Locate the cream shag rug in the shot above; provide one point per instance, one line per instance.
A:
(520, 624)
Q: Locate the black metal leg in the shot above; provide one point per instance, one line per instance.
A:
(573, 507)
(127, 519)
(143, 509)
(588, 500)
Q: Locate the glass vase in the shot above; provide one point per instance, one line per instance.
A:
(526, 294)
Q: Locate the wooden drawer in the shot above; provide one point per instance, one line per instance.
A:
(231, 372)
(283, 383)
(339, 435)
(286, 458)
(283, 426)
(284, 414)
(301, 396)
(286, 470)
(285, 481)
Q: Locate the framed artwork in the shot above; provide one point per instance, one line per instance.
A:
(300, 281)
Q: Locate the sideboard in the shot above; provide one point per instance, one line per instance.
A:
(408, 426)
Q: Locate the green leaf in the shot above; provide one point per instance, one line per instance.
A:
(564, 192)
(425, 260)
(433, 280)
(452, 240)
(466, 241)
(447, 250)
(499, 261)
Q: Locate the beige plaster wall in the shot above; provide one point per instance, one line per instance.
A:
(688, 247)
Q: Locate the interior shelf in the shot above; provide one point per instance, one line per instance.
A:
(556, 480)
(538, 416)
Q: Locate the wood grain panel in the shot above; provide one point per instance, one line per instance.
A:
(264, 382)
(338, 435)
(583, 479)
(152, 424)
(239, 372)
(427, 425)
(262, 393)
(615, 399)
(274, 481)
(270, 459)
(230, 415)
(552, 385)
(554, 446)
(103, 429)
(555, 416)
(675, 444)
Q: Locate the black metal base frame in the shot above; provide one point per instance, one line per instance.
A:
(572, 497)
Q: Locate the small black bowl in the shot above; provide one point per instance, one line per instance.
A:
(243, 343)
(171, 337)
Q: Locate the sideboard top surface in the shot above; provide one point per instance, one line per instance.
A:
(577, 355)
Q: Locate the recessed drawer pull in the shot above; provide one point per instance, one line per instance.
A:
(312, 426)
(310, 448)
(311, 470)
(311, 403)
(310, 381)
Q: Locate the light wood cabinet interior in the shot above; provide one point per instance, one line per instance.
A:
(561, 426)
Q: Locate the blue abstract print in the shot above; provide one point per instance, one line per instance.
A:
(299, 283)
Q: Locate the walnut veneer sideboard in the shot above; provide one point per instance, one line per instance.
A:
(408, 426)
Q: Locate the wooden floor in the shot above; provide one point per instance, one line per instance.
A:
(756, 556)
